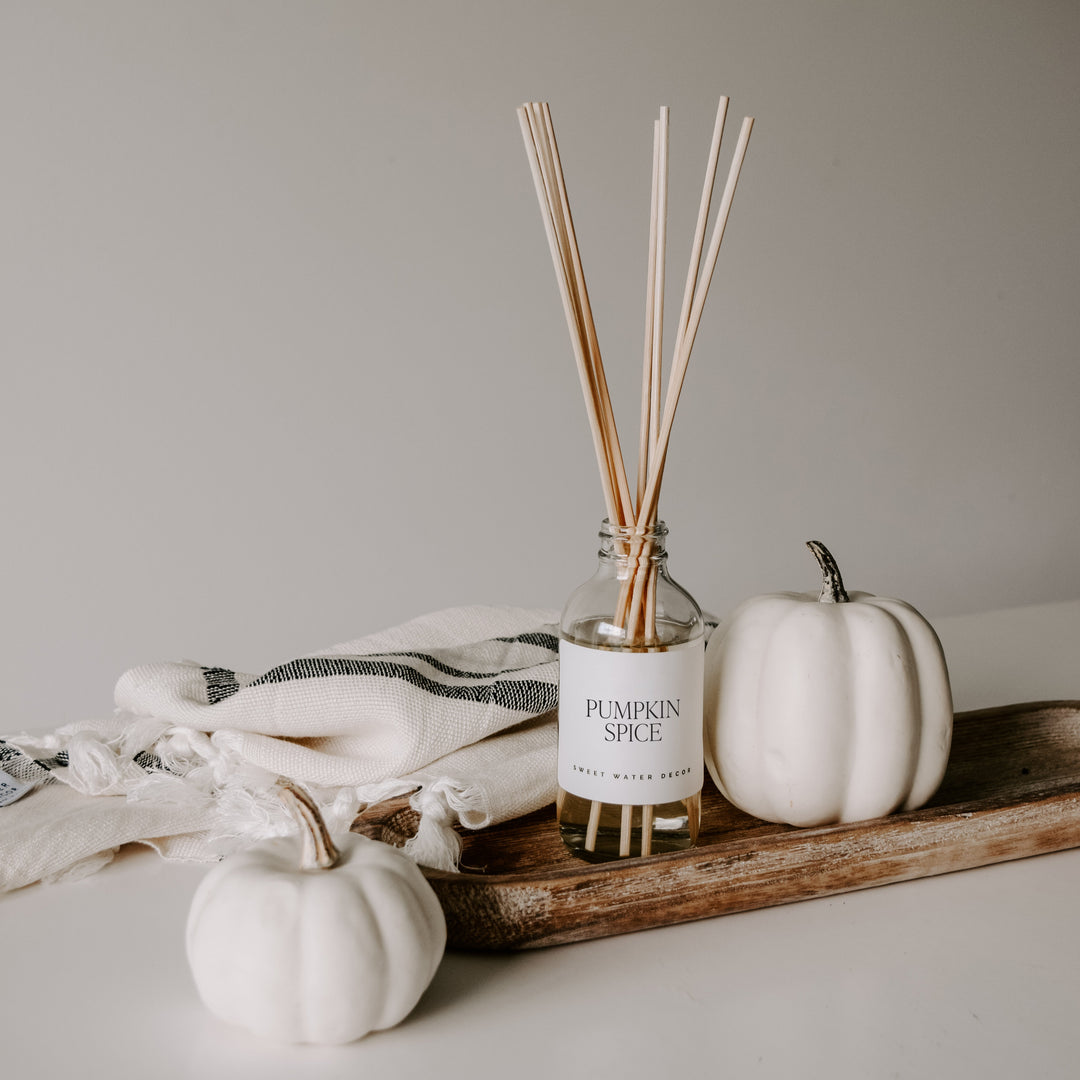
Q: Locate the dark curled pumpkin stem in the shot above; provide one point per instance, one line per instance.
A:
(832, 584)
(319, 852)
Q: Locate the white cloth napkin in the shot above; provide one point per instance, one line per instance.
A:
(456, 706)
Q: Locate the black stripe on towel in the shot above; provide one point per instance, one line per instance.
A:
(460, 673)
(523, 695)
(220, 683)
(25, 768)
(535, 637)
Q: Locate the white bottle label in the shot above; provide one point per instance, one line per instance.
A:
(630, 727)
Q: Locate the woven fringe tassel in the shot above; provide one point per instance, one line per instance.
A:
(436, 844)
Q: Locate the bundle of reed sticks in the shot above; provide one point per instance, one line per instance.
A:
(633, 512)
(637, 510)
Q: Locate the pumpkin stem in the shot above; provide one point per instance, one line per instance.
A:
(832, 584)
(318, 852)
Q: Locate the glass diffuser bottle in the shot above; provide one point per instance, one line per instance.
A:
(631, 660)
(631, 650)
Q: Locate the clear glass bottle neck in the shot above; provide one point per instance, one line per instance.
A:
(631, 600)
(630, 543)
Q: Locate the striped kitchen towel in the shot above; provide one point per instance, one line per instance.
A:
(456, 707)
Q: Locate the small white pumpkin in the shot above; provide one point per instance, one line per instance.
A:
(823, 708)
(308, 939)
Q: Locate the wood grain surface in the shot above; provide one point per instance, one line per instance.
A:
(1012, 789)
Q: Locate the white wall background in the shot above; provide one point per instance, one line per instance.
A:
(284, 361)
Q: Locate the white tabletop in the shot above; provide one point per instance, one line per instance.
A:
(973, 974)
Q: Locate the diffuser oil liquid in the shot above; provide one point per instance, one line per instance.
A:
(674, 827)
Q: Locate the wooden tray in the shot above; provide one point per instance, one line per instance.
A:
(1012, 789)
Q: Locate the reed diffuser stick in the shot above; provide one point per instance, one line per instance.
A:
(658, 302)
(703, 217)
(645, 436)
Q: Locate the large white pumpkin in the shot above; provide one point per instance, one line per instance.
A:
(829, 707)
(300, 946)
